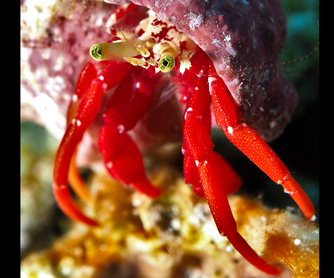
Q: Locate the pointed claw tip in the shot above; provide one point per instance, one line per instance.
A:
(68, 206)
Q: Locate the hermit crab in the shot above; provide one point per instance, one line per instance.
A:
(223, 75)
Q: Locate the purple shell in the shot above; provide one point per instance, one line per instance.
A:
(240, 36)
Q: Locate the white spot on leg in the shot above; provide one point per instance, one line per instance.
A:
(290, 192)
(284, 179)
(187, 111)
(60, 187)
(109, 165)
(76, 122)
(184, 98)
(313, 218)
(120, 128)
(230, 130)
(197, 162)
(210, 80)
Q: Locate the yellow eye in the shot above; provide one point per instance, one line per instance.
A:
(96, 52)
(167, 63)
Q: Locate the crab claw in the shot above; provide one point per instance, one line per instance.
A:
(125, 107)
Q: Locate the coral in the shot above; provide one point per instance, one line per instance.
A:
(174, 236)
(55, 39)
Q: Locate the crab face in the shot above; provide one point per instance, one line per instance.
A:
(152, 43)
(145, 55)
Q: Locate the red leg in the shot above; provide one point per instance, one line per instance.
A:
(128, 104)
(199, 106)
(86, 111)
(190, 171)
(76, 182)
(86, 77)
(214, 176)
(253, 146)
(217, 178)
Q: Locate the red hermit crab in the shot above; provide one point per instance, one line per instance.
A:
(150, 51)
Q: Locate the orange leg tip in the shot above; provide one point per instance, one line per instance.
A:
(68, 206)
(77, 184)
(291, 187)
(74, 213)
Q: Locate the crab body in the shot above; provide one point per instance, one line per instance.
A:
(145, 56)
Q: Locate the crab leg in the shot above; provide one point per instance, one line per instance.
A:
(76, 182)
(199, 105)
(190, 171)
(87, 75)
(217, 178)
(191, 174)
(213, 179)
(122, 158)
(254, 147)
(87, 109)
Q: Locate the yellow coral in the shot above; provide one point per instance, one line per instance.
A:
(175, 236)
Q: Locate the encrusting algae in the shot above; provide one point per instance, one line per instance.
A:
(173, 236)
